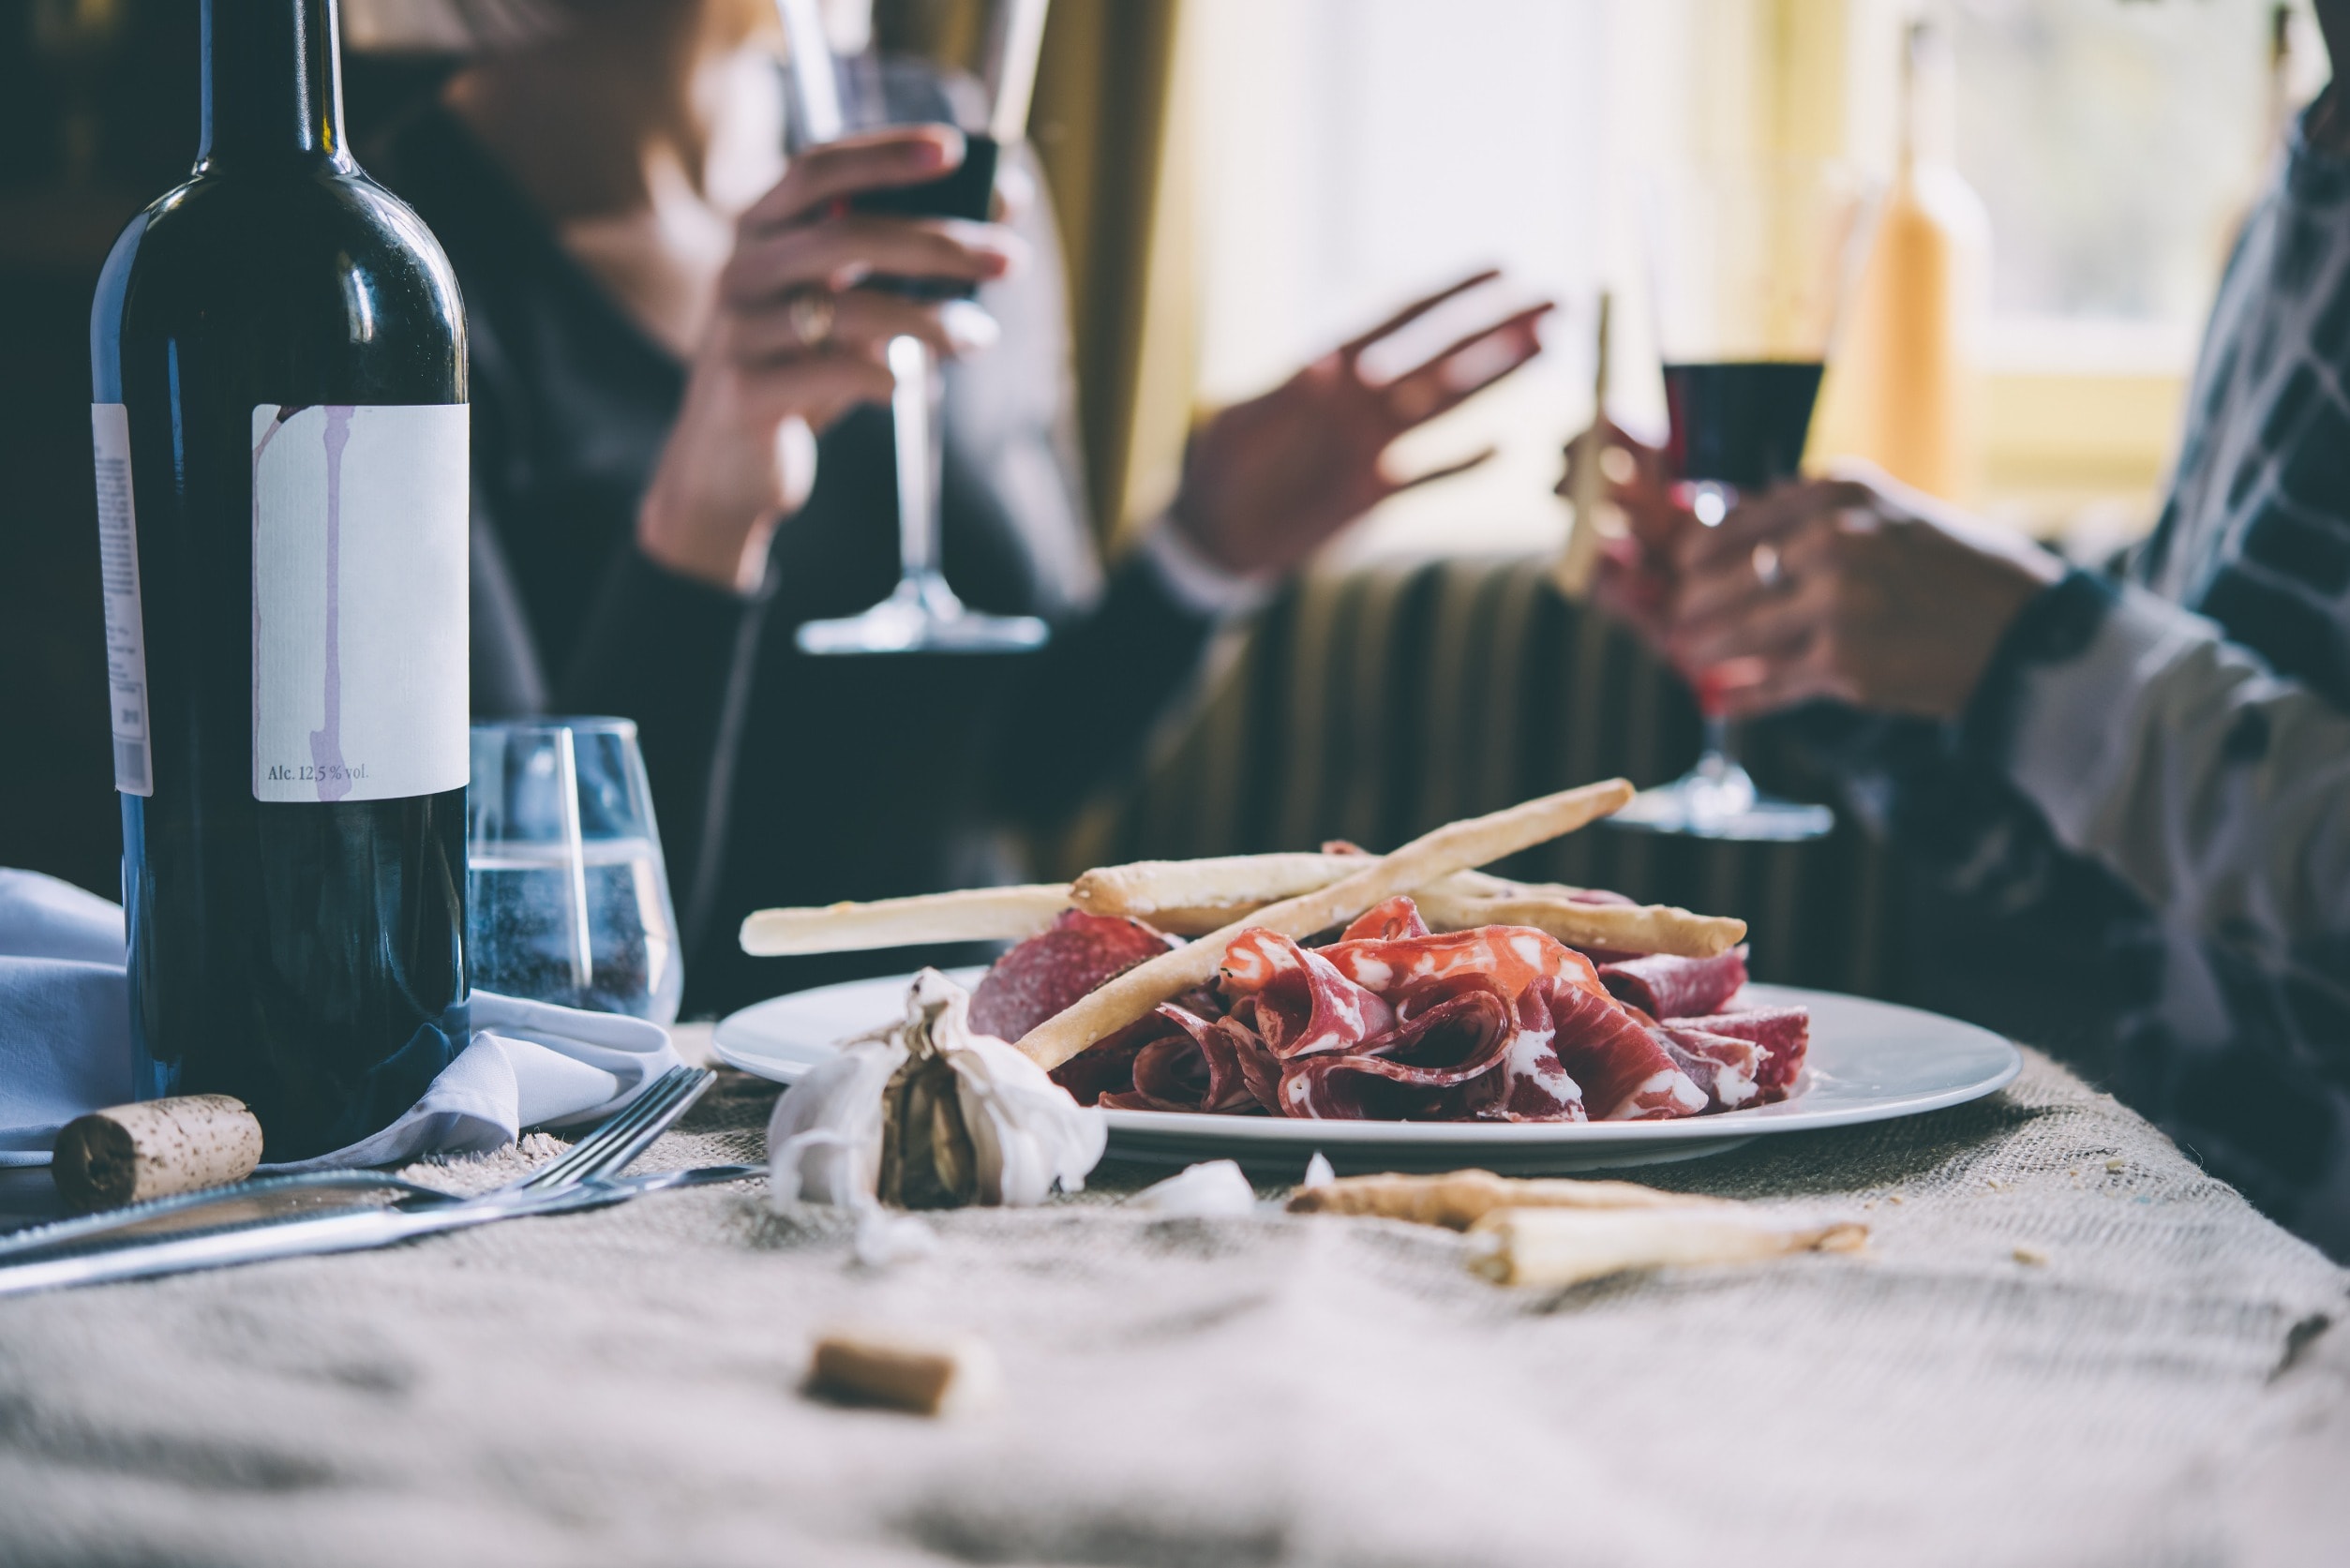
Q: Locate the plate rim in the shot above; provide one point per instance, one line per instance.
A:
(1788, 1115)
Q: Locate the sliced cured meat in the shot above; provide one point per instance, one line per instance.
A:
(1424, 1070)
(1303, 1005)
(1625, 1072)
(1513, 956)
(1052, 969)
(1783, 1034)
(1533, 1085)
(1193, 1064)
(1730, 1070)
(1107, 1067)
(1665, 986)
(1395, 920)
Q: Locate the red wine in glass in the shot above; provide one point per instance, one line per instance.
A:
(1737, 426)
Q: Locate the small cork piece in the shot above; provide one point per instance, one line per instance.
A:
(1458, 1199)
(926, 1374)
(2030, 1256)
(157, 1147)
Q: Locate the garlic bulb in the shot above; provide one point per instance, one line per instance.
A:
(926, 1113)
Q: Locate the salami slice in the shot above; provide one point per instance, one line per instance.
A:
(1053, 968)
(1665, 986)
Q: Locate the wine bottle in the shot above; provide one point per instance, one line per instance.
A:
(1910, 386)
(278, 362)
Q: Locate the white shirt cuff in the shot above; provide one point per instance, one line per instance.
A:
(1197, 583)
(2079, 723)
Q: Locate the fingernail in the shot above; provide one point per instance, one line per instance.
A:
(968, 325)
(941, 152)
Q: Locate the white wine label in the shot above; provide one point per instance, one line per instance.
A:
(359, 609)
(126, 625)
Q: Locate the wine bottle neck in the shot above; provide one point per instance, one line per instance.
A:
(272, 83)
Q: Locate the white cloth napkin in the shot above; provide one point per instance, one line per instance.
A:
(65, 1045)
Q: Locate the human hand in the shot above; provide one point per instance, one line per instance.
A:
(1856, 588)
(794, 344)
(1266, 482)
(1633, 578)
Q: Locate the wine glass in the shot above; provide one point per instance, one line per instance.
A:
(1750, 263)
(852, 90)
(568, 900)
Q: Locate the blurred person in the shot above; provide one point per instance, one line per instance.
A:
(682, 450)
(2136, 785)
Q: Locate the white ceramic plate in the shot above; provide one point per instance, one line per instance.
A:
(1869, 1061)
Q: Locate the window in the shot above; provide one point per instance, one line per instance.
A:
(1351, 152)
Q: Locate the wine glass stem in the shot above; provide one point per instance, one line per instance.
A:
(1717, 741)
(914, 406)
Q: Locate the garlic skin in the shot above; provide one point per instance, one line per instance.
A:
(1027, 1133)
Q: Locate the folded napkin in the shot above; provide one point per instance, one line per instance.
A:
(65, 1045)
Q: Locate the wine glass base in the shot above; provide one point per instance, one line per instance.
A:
(1702, 807)
(923, 619)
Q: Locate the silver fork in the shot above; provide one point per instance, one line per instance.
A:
(614, 1143)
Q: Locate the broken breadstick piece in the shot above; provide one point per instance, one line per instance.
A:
(1566, 1247)
(1455, 846)
(128, 1153)
(971, 914)
(1458, 1199)
(928, 1374)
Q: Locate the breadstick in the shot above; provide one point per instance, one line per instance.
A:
(1188, 898)
(1654, 928)
(1175, 895)
(1458, 1199)
(1453, 847)
(1564, 1246)
(155, 1148)
(974, 914)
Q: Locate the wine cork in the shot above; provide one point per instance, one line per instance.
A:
(127, 1153)
(928, 1374)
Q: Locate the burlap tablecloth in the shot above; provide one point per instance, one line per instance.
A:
(624, 1387)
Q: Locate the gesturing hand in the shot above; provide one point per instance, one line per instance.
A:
(1266, 482)
(1855, 589)
(794, 344)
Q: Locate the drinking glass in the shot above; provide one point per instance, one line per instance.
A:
(568, 899)
(1750, 261)
(989, 46)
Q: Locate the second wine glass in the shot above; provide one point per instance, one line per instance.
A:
(995, 69)
(1750, 262)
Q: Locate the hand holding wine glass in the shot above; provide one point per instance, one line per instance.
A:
(794, 343)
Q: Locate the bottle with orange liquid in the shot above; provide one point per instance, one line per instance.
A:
(1910, 397)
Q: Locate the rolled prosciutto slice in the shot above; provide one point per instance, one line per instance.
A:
(1423, 1071)
(1664, 986)
(1729, 1071)
(1304, 1005)
(1053, 968)
(1625, 1072)
(1196, 1064)
(1782, 1034)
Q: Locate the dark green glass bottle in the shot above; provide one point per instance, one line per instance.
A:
(277, 356)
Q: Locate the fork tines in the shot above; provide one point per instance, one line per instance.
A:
(625, 1136)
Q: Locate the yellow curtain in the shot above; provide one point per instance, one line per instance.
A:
(1109, 125)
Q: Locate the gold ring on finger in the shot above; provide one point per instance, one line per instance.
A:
(810, 313)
